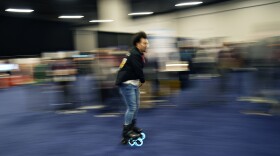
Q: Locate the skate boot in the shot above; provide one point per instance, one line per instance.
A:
(130, 137)
(137, 129)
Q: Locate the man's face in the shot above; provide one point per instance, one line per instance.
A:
(142, 45)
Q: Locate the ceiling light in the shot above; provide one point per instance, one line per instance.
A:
(189, 3)
(19, 10)
(101, 21)
(71, 16)
(140, 13)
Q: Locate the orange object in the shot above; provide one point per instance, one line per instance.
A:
(4, 81)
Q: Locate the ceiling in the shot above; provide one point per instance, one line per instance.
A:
(51, 9)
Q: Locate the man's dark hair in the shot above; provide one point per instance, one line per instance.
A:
(137, 37)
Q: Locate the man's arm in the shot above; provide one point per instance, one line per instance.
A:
(137, 65)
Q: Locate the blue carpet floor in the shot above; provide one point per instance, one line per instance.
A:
(199, 121)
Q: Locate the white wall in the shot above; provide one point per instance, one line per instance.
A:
(85, 40)
(239, 20)
(244, 20)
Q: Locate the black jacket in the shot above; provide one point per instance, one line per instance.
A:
(131, 67)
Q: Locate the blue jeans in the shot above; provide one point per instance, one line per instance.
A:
(131, 96)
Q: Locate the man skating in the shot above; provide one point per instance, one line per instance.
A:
(130, 77)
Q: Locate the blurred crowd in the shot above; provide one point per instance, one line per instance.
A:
(166, 74)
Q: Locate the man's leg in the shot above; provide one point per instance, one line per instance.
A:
(128, 93)
(130, 97)
(134, 120)
(137, 100)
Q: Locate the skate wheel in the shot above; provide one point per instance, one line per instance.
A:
(131, 142)
(139, 142)
(143, 136)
